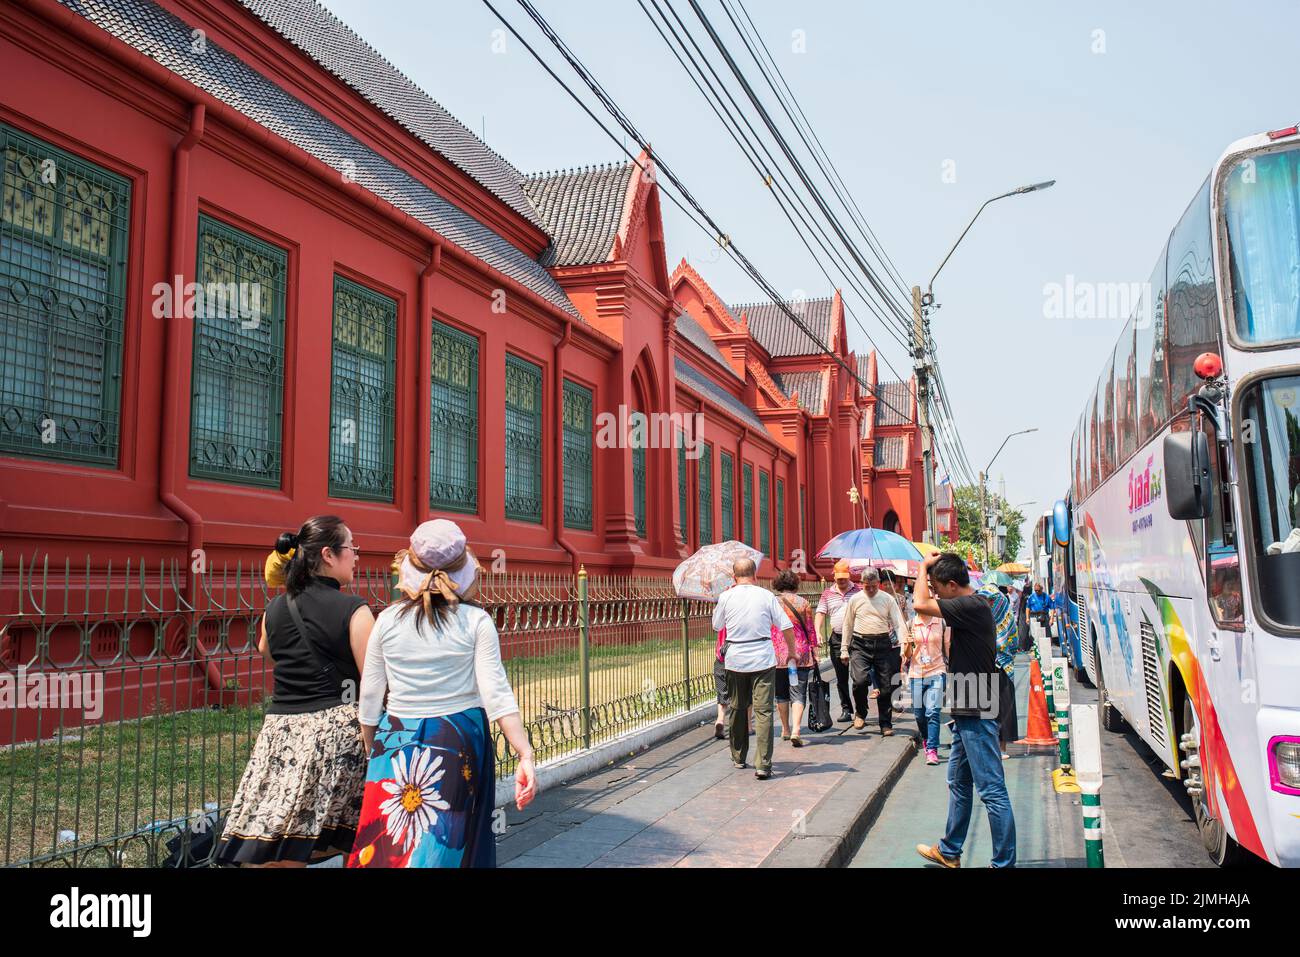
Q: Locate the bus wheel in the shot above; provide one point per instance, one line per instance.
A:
(1223, 850)
(1111, 719)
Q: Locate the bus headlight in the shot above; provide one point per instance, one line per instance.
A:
(1284, 764)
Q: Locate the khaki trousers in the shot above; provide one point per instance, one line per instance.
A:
(745, 688)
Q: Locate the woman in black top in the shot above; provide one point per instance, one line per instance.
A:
(300, 797)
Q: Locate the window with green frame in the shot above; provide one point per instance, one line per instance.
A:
(638, 480)
(238, 382)
(577, 456)
(727, 497)
(704, 493)
(747, 504)
(523, 440)
(362, 392)
(764, 512)
(453, 421)
(682, 498)
(63, 243)
(780, 519)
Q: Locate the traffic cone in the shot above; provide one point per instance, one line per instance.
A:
(1039, 731)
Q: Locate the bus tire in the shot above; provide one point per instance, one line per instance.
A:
(1111, 719)
(1223, 850)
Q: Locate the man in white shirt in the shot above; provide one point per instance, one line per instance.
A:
(871, 618)
(749, 613)
(830, 611)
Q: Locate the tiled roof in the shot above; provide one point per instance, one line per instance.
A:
(693, 332)
(775, 331)
(891, 396)
(864, 367)
(331, 43)
(166, 39)
(891, 452)
(701, 385)
(581, 210)
(811, 387)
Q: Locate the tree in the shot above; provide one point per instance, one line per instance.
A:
(970, 525)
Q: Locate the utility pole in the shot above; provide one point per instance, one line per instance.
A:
(984, 521)
(921, 364)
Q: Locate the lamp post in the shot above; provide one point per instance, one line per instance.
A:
(921, 363)
(984, 515)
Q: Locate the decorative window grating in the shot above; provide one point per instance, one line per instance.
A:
(780, 519)
(577, 456)
(638, 481)
(523, 440)
(764, 513)
(704, 491)
(728, 500)
(747, 504)
(63, 242)
(362, 393)
(453, 421)
(238, 380)
(683, 514)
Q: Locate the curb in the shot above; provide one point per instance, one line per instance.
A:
(836, 827)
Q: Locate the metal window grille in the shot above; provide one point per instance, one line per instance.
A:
(727, 496)
(747, 504)
(681, 489)
(764, 513)
(523, 440)
(238, 380)
(638, 484)
(362, 393)
(780, 519)
(704, 490)
(453, 421)
(63, 242)
(577, 456)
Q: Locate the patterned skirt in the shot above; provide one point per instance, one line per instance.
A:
(429, 794)
(300, 796)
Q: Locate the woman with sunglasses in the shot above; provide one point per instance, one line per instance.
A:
(300, 796)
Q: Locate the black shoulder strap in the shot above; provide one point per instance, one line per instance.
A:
(326, 666)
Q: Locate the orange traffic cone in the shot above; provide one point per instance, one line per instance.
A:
(1039, 731)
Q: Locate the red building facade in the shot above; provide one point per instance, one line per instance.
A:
(251, 273)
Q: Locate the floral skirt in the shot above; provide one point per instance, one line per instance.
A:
(300, 795)
(429, 796)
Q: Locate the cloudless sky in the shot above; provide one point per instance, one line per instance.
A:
(1004, 93)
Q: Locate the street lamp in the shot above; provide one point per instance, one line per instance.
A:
(983, 475)
(920, 340)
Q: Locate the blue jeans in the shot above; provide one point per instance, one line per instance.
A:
(976, 756)
(927, 703)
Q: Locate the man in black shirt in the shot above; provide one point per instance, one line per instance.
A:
(974, 686)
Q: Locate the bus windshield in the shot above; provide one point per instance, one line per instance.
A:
(1262, 211)
(1271, 439)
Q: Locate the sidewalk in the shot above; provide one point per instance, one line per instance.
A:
(682, 804)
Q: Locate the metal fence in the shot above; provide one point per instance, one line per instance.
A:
(130, 697)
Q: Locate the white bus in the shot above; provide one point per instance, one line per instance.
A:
(1184, 508)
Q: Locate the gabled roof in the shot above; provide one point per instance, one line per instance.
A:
(775, 331)
(165, 38)
(332, 43)
(581, 210)
(701, 385)
(891, 396)
(811, 387)
(694, 333)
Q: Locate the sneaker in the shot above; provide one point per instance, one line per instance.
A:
(875, 693)
(1005, 756)
(931, 853)
(846, 717)
(718, 732)
(739, 765)
(762, 775)
(886, 732)
(931, 756)
(858, 724)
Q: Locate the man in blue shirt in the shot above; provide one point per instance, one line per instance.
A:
(1039, 605)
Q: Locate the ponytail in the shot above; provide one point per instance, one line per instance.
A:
(317, 533)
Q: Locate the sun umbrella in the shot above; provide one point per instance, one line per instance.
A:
(998, 577)
(707, 573)
(899, 566)
(926, 549)
(1014, 568)
(870, 543)
(976, 579)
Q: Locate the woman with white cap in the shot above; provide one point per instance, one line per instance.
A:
(431, 781)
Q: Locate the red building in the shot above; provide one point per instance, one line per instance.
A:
(249, 273)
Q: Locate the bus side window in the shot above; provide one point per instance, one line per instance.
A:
(1222, 561)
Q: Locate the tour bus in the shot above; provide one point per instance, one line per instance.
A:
(1062, 590)
(1188, 597)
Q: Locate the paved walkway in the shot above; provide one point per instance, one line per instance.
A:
(682, 804)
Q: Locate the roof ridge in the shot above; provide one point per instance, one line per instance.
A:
(775, 302)
(608, 167)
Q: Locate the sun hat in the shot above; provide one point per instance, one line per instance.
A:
(437, 560)
(842, 569)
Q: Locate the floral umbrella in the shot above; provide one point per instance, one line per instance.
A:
(707, 573)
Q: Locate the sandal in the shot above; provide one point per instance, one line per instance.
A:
(796, 741)
(784, 736)
(718, 732)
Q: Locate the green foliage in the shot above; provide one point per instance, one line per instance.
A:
(970, 525)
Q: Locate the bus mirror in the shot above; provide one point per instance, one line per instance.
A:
(1061, 524)
(1187, 475)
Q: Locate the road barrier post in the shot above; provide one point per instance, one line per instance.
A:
(1063, 779)
(1087, 773)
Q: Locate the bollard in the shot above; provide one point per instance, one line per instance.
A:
(1063, 780)
(1043, 648)
(584, 657)
(1087, 774)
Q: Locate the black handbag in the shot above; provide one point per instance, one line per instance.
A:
(819, 702)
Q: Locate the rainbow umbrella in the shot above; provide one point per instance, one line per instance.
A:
(867, 544)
